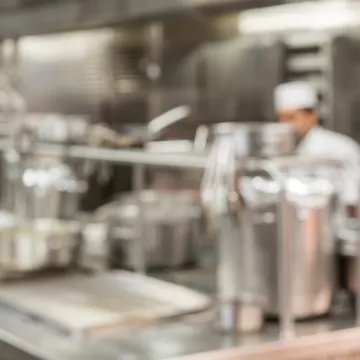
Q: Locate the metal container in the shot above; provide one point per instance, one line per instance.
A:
(40, 188)
(258, 139)
(244, 209)
(31, 246)
(311, 204)
(239, 270)
(171, 229)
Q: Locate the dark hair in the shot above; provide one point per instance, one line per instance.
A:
(309, 110)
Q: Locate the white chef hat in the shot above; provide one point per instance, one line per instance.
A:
(295, 95)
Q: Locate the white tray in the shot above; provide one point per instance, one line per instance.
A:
(81, 305)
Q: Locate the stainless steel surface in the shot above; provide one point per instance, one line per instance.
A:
(140, 259)
(28, 246)
(259, 140)
(285, 256)
(71, 15)
(189, 336)
(308, 207)
(141, 157)
(163, 121)
(95, 73)
(170, 226)
(37, 187)
(94, 249)
(228, 214)
(135, 157)
(83, 305)
(301, 263)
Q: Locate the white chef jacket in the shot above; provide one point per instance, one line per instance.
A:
(320, 142)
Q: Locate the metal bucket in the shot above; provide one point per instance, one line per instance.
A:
(171, 229)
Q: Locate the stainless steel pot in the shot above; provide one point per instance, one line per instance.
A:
(311, 208)
(242, 207)
(39, 187)
(239, 270)
(171, 228)
(30, 246)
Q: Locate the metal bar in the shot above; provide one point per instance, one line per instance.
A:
(287, 323)
(139, 157)
(140, 245)
(358, 262)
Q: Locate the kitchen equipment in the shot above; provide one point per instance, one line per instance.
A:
(171, 228)
(257, 139)
(252, 265)
(43, 188)
(28, 246)
(40, 197)
(311, 204)
(80, 305)
(239, 269)
(94, 252)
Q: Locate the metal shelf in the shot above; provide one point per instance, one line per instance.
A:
(38, 17)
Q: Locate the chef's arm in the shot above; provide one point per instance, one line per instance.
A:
(350, 190)
(351, 211)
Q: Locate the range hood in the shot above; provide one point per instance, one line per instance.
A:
(32, 17)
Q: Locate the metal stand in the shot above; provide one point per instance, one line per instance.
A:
(358, 261)
(140, 246)
(287, 328)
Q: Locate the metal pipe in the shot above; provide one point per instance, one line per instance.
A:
(285, 258)
(358, 260)
(140, 246)
(139, 157)
(191, 160)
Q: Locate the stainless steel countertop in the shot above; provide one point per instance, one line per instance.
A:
(193, 334)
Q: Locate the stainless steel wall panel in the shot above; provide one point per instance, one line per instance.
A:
(81, 72)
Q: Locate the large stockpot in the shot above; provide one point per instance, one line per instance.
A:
(240, 274)
(311, 203)
(171, 229)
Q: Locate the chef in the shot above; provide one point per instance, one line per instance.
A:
(296, 103)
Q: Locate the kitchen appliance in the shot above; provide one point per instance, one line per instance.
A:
(40, 196)
(171, 229)
(239, 269)
(311, 204)
(236, 185)
(35, 244)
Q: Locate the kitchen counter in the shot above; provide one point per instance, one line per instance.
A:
(178, 337)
